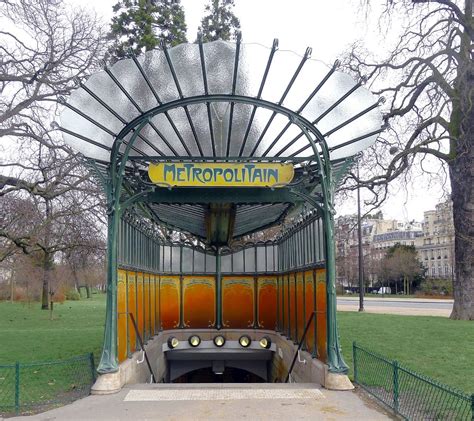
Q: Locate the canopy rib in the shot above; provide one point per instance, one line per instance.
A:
(234, 82)
(180, 92)
(305, 103)
(280, 102)
(206, 92)
(259, 94)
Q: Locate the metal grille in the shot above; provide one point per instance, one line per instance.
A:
(411, 395)
(26, 388)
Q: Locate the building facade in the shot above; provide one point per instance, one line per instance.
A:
(433, 239)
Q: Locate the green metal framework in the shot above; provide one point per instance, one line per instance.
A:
(128, 189)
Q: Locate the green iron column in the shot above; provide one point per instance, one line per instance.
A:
(109, 361)
(218, 290)
(335, 360)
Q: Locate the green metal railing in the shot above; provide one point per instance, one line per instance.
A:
(27, 388)
(411, 395)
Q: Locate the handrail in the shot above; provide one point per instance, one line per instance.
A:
(308, 323)
(153, 378)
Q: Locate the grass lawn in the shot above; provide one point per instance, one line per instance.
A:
(27, 334)
(435, 346)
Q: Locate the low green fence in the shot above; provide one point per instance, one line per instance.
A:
(27, 388)
(411, 395)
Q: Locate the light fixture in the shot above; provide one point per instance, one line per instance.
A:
(219, 341)
(194, 340)
(172, 342)
(265, 342)
(245, 341)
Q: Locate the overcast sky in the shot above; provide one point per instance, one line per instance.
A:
(329, 27)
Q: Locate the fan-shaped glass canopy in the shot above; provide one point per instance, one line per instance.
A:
(220, 101)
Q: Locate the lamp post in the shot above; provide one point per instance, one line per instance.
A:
(361, 257)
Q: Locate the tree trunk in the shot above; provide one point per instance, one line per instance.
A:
(47, 257)
(461, 172)
(47, 264)
(88, 291)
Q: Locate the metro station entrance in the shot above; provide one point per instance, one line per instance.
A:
(219, 162)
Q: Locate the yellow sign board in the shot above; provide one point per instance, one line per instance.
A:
(220, 174)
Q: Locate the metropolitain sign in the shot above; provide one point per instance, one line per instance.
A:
(221, 174)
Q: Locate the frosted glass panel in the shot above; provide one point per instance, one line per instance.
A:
(167, 259)
(238, 261)
(187, 260)
(261, 267)
(112, 108)
(176, 259)
(249, 259)
(198, 262)
(210, 263)
(226, 263)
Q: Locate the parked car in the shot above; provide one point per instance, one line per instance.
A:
(384, 290)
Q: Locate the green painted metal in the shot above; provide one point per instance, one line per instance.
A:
(108, 361)
(411, 395)
(17, 388)
(336, 361)
(396, 387)
(218, 290)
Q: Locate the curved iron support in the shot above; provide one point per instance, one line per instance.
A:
(108, 360)
(335, 360)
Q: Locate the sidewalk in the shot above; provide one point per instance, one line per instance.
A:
(395, 299)
(220, 401)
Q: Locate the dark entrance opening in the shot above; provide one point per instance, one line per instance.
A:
(230, 375)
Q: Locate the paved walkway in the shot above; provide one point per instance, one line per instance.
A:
(403, 306)
(225, 401)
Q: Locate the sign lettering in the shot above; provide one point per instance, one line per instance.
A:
(215, 174)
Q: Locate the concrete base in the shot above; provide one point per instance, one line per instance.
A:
(134, 370)
(335, 381)
(107, 384)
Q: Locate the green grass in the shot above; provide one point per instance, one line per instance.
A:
(437, 347)
(28, 335)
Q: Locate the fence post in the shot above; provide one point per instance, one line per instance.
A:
(354, 357)
(472, 407)
(92, 364)
(17, 388)
(395, 386)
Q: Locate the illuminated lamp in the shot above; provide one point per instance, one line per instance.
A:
(265, 342)
(172, 342)
(194, 341)
(245, 341)
(219, 341)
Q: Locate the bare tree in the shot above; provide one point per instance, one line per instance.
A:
(44, 47)
(428, 80)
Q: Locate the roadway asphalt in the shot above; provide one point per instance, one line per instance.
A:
(407, 306)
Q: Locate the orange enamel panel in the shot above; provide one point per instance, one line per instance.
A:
(157, 304)
(140, 309)
(284, 294)
(321, 314)
(152, 305)
(169, 302)
(267, 302)
(146, 299)
(132, 308)
(280, 303)
(309, 301)
(292, 307)
(122, 315)
(237, 302)
(199, 301)
(300, 305)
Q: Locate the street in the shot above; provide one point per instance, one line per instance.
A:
(404, 306)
